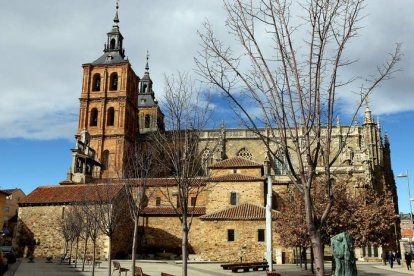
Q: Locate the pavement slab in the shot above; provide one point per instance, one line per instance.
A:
(41, 268)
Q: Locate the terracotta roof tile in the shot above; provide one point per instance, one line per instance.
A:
(64, 194)
(244, 211)
(235, 177)
(406, 233)
(236, 162)
(150, 182)
(171, 211)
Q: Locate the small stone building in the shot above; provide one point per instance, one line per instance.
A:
(42, 212)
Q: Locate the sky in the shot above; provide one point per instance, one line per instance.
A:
(45, 43)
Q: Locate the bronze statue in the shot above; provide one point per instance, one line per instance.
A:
(343, 252)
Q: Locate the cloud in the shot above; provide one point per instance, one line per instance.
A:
(45, 44)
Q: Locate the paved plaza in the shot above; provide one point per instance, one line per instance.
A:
(40, 267)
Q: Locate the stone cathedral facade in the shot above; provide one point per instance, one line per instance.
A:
(118, 107)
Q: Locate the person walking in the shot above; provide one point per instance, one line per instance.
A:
(398, 257)
(384, 257)
(391, 259)
(408, 260)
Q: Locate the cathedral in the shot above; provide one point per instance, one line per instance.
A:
(117, 109)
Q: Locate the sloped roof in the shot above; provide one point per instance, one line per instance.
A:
(10, 191)
(171, 211)
(406, 233)
(235, 177)
(5, 192)
(110, 58)
(64, 194)
(244, 211)
(236, 162)
(149, 182)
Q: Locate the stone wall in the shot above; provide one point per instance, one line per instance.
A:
(164, 234)
(214, 246)
(208, 239)
(218, 194)
(154, 192)
(42, 223)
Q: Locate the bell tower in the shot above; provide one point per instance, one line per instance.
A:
(108, 104)
(150, 117)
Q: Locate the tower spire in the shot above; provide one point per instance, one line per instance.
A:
(146, 65)
(116, 19)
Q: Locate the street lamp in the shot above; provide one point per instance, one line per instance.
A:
(405, 175)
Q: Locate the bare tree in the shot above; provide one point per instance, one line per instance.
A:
(74, 226)
(65, 230)
(91, 213)
(137, 171)
(87, 223)
(186, 113)
(109, 210)
(292, 76)
(101, 214)
(77, 226)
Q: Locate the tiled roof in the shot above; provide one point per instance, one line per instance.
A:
(236, 162)
(150, 182)
(406, 233)
(5, 192)
(235, 177)
(244, 211)
(10, 191)
(171, 211)
(64, 194)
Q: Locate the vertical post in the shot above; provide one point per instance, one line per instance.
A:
(411, 209)
(405, 175)
(269, 246)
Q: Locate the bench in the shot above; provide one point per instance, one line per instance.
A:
(247, 267)
(166, 274)
(117, 267)
(229, 266)
(139, 272)
(64, 258)
(98, 264)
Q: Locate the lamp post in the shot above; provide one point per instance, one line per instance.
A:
(405, 175)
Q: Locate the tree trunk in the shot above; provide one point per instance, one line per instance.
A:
(184, 244)
(134, 246)
(94, 257)
(77, 250)
(312, 260)
(70, 252)
(314, 233)
(84, 253)
(318, 253)
(305, 258)
(109, 255)
(295, 256)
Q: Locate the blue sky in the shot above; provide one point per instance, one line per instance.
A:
(47, 42)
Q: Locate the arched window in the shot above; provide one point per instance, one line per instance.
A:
(147, 121)
(94, 117)
(245, 153)
(144, 88)
(110, 117)
(113, 43)
(105, 159)
(113, 85)
(96, 83)
(281, 164)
